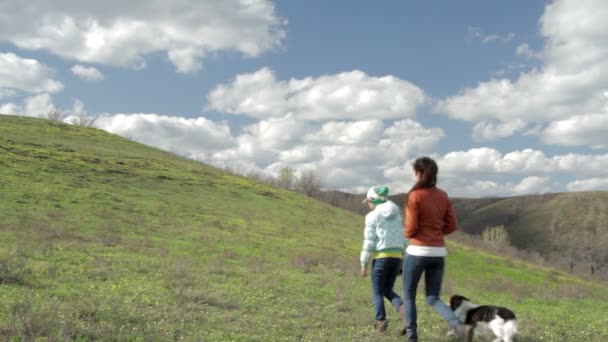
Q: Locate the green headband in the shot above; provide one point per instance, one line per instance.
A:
(382, 192)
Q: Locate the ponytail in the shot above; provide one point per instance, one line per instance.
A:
(427, 168)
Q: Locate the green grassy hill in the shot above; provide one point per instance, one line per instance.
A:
(102, 238)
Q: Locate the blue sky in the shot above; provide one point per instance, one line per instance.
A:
(508, 97)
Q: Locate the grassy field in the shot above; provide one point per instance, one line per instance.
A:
(102, 238)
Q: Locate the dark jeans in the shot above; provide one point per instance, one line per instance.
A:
(384, 273)
(433, 267)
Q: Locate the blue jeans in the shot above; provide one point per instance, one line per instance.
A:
(384, 274)
(413, 267)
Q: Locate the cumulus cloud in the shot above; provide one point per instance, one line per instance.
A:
(591, 184)
(346, 154)
(123, 34)
(570, 82)
(301, 154)
(350, 95)
(493, 188)
(36, 106)
(531, 162)
(334, 124)
(193, 137)
(27, 75)
(364, 133)
(486, 130)
(533, 184)
(258, 94)
(277, 133)
(87, 73)
(406, 138)
(589, 130)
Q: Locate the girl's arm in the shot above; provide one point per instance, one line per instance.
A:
(369, 241)
(411, 216)
(450, 220)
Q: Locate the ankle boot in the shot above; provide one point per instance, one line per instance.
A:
(403, 329)
(381, 326)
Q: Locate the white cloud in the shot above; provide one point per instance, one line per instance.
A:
(332, 124)
(486, 130)
(363, 133)
(23, 74)
(301, 154)
(188, 137)
(406, 138)
(349, 95)
(258, 94)
(36, 106)
(529, 162)
(590, 130)
(591, 184)
(10, 109)
(346, 154)
(87, 73)
(122, 34)
(491, 188)
(349, 156)
(277, 134)
(571, 81)
(531, 185)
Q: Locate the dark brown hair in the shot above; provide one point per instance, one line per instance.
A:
(428, 173)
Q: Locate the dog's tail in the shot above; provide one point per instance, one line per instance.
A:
(510, 330)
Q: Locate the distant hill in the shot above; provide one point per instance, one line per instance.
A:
(540, 223)
(102, 238)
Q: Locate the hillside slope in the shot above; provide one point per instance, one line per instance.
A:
(543, 223)
(106, 239)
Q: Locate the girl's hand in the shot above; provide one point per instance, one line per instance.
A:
(363, 271)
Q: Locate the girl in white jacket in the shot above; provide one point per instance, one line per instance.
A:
(383, 243)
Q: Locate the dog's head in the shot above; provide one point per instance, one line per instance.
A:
(456, 301)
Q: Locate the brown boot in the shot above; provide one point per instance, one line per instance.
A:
(381, 326)
(403, 329)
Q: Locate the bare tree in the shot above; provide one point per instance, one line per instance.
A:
(594, 252)
(83, 120)
(571, 255)
(257, 175)
(309, 183)
(55, 115)
(569, 247)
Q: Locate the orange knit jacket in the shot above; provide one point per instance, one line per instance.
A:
(429, 216)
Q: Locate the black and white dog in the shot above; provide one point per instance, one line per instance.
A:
(483, 318)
